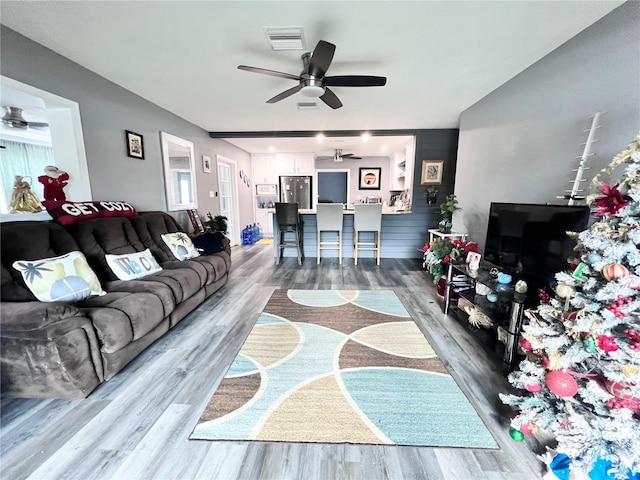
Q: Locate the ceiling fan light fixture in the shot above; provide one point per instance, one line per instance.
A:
(314, 91)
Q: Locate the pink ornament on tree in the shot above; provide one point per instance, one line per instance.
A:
(607, 343)
(561, 383)
(533, 387)
(525, 344)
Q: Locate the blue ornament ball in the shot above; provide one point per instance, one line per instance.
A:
(593, 257)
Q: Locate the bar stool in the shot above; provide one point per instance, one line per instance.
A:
(288, 221)
(367, 218)
(329, 219)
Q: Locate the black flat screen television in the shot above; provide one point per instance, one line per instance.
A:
(531, 239)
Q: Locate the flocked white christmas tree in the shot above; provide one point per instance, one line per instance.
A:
(580, 380)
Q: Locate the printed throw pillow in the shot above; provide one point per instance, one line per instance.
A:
(180, 245)
(67, 278)
(130, 266)
(66, 213)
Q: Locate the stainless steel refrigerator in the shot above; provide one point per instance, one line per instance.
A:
(296, 189)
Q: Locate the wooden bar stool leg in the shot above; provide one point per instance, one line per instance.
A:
(355, 247)
(318, 244)
(298, 246)
(339, 247)
(377, 240)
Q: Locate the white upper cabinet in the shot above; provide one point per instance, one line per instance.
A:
(265, 169)
(296, 163)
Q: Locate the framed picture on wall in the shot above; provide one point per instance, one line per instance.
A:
(370, 178)
(135, 148)
(206, 164)
(431, 172)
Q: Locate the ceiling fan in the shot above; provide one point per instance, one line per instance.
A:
(13, 118)
(338, 156)
(312, 81)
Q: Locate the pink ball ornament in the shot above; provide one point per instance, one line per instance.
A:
(526, 428)
(561, 383)
(525, 344)
(533, 387)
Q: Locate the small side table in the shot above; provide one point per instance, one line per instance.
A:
(434, 232)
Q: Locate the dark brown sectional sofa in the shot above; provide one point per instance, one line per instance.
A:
(58, 350)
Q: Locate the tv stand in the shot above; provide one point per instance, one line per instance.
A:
(506, 312)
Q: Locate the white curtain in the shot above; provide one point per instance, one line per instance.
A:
(22, 159)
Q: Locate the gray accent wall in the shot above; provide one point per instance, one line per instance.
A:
(107, 110)
(519, 143)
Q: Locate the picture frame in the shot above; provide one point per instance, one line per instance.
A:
(432, 172)
(206, 164)
(135, 146)
(370, 178)
(195, 221)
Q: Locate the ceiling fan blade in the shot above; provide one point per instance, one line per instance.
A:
(321, 58)
(350, 156)
(285, 94)
(355, 81)
(38, 124)
(268, 72)
(331, 99)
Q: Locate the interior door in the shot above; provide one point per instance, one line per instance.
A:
(228, 197)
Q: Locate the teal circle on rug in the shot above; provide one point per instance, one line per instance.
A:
(440, 415)
(242, 366)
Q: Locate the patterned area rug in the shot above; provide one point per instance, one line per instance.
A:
(335, 366)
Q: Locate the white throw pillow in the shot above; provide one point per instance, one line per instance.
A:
(130, 266)
(181, 245)
(67, 278)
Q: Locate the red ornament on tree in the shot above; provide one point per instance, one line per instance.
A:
(618, 389)
(533, 387)
(525, 344)
(561, 383)
(607, 343)
(612, 201)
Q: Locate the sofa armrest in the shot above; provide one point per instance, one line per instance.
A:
(40, 320)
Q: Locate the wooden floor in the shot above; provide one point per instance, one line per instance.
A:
(136, 426)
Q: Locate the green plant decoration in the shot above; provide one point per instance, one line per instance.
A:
(449, 206)
(217, 223)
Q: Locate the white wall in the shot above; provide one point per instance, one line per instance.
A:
(519, 143)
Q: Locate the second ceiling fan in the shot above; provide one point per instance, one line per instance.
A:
(312, 81)
(338, 156)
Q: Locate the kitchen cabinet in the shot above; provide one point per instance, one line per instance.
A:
(265, 168)
(296, 163)
(398, 171)
(264, 219)
(401, 170)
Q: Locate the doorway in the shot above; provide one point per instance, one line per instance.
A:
(228, 197)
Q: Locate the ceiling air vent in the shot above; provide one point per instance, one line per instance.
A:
(307, 106)
(285, 38)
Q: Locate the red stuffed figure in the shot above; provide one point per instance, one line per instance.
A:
(54, 181)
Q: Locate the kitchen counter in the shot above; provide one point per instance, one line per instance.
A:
(393, 244)
(385, 211)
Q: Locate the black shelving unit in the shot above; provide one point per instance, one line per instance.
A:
(507, 312)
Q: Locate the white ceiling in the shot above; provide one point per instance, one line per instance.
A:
(440, 57)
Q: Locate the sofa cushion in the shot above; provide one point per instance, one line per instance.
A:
(65, 278)
(180, 245)
(102, 236)
(150, 226)
(120, 317)
(28, 241)
(130, 266)
(66, 213)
